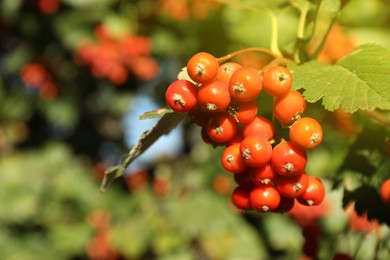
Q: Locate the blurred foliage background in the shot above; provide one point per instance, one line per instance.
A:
(75, 75)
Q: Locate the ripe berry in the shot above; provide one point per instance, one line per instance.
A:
(385, 191)
(226, 70)
(256, 150)
(306, 133)
(240, 198)
(206, 137)
(181, 95)
(292, 186)
(243, 112)
(202, 67)
(232, 160)
(264, 198)
(259, 126)
(221, 128)
(287, 159)
(213, 96)
(314, 194)
(264, 175)
(289, 107)
(245, 84)
(277, 81)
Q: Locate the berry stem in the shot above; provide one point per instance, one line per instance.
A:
(323, 40)
(302, 20)
(301, 30)
(378, 117)
(274, 34)
(250, 49)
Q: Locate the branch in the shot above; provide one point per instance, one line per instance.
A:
(251, 49)
(378, 117)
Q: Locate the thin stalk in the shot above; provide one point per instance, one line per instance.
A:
(251, 49)
(378, 117)
(324, 38)
(274, 45)
(302, 20)
(301, 29)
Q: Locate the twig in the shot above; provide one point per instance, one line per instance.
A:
(378, 117)
(251, 49)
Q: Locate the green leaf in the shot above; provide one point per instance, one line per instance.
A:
(167, 122)
(367, 153)
(155, 113)
(368, 201)
(359, 81)
(333, 6)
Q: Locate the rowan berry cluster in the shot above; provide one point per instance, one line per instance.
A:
(117, 57)
(38, 80)
(223, 100)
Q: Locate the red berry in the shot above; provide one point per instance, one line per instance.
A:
(181, 95)
(287, 159)
(385, 191)
(222, 128)
(289, 107)
(206, 137)
(243, 112)
(292, 186)
(314, 194)
(264, 175)
(264, 198)
(240, 198)
(256, 150)
(306, 133)
(213, 96)
(202, 67)
(259, 126)
(277, 81)
(226, 70)
(245, 84)
(231, 159)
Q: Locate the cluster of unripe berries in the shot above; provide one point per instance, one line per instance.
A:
(223, 100)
